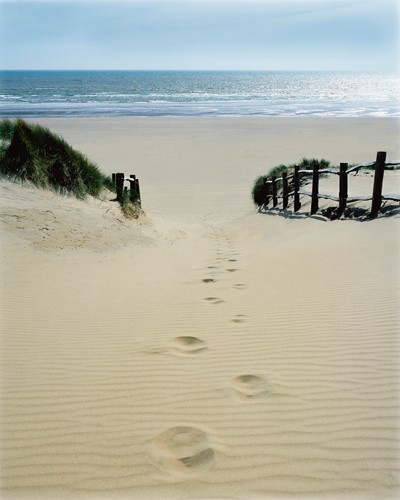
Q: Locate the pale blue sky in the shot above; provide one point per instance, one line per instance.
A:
(200, 34)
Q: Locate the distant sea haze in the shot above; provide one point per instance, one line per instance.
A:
(197, 93)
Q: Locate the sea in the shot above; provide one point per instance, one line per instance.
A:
(197, 93)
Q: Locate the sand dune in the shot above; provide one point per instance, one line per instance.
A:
(204, 351)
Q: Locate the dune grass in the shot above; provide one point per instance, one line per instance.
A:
(33, 153)
(6, 132)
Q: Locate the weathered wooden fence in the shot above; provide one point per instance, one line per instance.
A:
(343, 199)
(120, 180)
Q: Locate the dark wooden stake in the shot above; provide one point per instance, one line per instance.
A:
(297, 204)
(119, 185)
(343, 189)
(113, 178)
(314, 195)
(274, 192)
(139, 199)
(285, 190)
(133, 194)
(378, 182)
(265, 196)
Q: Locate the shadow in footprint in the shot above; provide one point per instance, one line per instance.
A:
(239, 286)
(239, 318)
(209, 280)
(214, 300)
(250, 388)
(183, 451)
(188, 346)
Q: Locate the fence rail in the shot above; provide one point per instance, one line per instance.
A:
(343, 198)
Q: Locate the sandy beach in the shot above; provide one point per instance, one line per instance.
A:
(204, 351)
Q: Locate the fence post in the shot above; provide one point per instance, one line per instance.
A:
(119, 185)
(133, 194)
(274, 192)
(378, 182)
(343, 187)
(314, 194)
(285, 190)
(265, 188)
(137, 187)
(297, 204)
(113, 178)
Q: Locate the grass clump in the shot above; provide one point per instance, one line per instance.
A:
(260, 190)
(33, 153)
(130, 205)
(7, 128)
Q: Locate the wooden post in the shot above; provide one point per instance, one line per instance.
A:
(274, 192)
(119, 185)
(113, 178)
(297, 204)
(314, 194)
(378, 182)
(285, 190)
(343, 188)
(265, 192)
(137, 187)
(133, 194)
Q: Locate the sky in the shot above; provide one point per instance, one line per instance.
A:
(337, 35)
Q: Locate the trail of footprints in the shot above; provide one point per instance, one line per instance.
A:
(185, 450)
(222, 256)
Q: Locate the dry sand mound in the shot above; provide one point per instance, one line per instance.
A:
(213, 354)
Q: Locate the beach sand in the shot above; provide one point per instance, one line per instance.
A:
(205, 351)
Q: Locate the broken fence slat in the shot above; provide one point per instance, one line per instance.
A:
(371, 164)
(393, 197)
(361, 165)
(359, 198)
(322, 171)
(320, 195)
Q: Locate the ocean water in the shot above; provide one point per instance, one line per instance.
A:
(197, 93)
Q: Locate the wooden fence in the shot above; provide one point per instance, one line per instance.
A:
(343, 199)
(119, 181)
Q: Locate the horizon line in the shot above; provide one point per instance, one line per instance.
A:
(207, 70)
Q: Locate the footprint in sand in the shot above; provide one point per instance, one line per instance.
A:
(232, 270)
(239, 286)
(183, 451)
(250, 388)
(214, 300)
(209, 280)
(232, 260)
(239, 318)
(188, 346)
